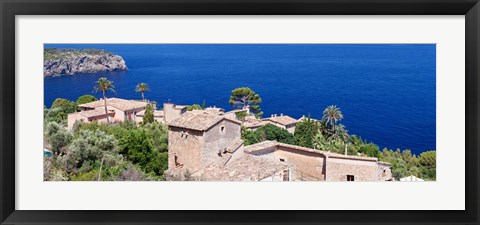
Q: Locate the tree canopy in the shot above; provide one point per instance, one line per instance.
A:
(305, 132)
(268, 132)
(103, 84)
(66, 105)
(142, 88)
(86, 99)
(243, 97)
(332, 114)
(148, 117)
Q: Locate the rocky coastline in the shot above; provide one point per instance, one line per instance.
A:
(58, 62)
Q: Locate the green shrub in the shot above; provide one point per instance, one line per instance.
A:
(57, 136)
(86, 99)
(268, 132)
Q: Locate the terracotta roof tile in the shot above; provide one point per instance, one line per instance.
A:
(268, 144)
(283, 120)
(235, 145)
(95, 112)
(118, 103)
(244, 168)
(218, 111)
(198, 120)
(254, 123)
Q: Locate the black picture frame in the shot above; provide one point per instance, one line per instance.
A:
(9, 9)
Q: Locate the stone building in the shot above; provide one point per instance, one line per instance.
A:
(282, 121)
(311, 164)
(169, 112)
(199, 138)
(88, 116)
(208, 144)
(254, 124)
(172, 111)
(120, 110)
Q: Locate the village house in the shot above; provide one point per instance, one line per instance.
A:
(254, 124)
(209, 145)
(311, 164)
(282, 121)
(199, 138)
(87, 116)
(121, 110)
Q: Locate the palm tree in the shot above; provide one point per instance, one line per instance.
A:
(320, 142)
(104, 84)
(142, 87)
(332, 114)
(340, 134)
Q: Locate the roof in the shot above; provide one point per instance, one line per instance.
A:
(283, 120)
(234, 145)
(237, 110)
(268, 144)
(254, 123)
(384, 163)
(118, 103)
(244, 168)
(156, 113)
(95, 112)
(215, 110)
(259, 146)
(198, 120)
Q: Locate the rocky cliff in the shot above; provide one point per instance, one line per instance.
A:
(69, 61)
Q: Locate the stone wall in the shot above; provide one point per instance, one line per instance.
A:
(171, 112)
(73, 117)
(384, 172)
(217, 139)
(187, 146)
(338, 169)
(305, 164)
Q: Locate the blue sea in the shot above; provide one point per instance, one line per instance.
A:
(385, 91)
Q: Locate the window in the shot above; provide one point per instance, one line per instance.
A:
(176, 159)
(350, 178)
(222, 128)
(177, 163)
(282, 160)
(286, 175)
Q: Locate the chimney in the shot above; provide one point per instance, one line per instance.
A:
(281, 114)
(346, 149)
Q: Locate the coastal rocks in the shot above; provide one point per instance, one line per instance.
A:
(69, 63)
